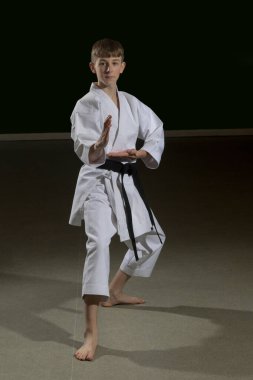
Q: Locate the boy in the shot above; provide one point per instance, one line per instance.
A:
(106, 124)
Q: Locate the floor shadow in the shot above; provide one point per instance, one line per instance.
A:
(228, 352)
(24, 298)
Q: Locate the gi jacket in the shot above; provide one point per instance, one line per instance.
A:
(131, 121)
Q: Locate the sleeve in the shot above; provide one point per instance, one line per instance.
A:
(85, 131)
(152, 133)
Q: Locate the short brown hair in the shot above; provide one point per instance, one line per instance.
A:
(106, 48)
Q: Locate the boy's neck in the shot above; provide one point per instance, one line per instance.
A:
(111, 92)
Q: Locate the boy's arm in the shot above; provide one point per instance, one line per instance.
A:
(130, 153)
(97, 150)
(86, 133)
(152, 134)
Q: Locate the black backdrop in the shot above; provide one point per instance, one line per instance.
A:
(193, 67)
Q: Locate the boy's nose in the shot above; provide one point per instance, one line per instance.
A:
(107, 68)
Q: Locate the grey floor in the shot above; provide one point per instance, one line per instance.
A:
(197, 322)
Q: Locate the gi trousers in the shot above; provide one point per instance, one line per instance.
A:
(100, 223)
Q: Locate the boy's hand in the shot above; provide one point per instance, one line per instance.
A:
(129, 153)
(104, 138)
(96, 150)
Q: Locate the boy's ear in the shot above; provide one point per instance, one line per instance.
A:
(92, 67)
(123, 65)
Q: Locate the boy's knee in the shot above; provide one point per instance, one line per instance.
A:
(98, 245)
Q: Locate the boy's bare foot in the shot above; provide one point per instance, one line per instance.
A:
(122, 299)
(87, 350)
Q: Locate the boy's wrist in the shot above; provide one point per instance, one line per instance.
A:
(97, 146)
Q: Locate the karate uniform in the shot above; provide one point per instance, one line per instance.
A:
(98, 195)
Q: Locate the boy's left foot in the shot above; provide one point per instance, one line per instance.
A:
(87, 350)
(122, 299)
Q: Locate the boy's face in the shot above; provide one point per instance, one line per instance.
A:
(108, 70)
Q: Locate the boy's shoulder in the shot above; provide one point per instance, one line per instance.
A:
(133, 101)
(87, 103)
(129, 97)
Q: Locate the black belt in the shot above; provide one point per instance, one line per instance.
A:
(130, 169)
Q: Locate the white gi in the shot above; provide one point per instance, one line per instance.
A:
(98, 199)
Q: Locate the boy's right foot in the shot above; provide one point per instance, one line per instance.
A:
(122, 299)
(87, 350)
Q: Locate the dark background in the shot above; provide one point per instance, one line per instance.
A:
(193, 67)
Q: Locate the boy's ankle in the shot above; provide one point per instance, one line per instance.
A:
(91, 330)
(114, 292)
